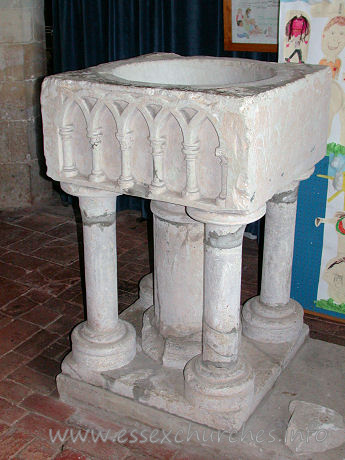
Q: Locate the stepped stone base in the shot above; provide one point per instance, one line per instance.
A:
(145, 387)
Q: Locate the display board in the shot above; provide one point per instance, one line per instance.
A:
(314, 33)
(251, 25)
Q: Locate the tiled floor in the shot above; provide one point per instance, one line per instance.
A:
(41, 299)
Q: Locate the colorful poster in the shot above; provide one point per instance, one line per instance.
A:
(255, 21)
(314, 32)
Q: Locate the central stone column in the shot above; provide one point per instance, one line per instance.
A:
(219, 379)
(273, 317)
(171, 331)
(103, 342)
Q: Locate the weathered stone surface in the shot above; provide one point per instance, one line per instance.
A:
(22, 65)
(215, 138)
(313, 428)
(15, 185)
(16, 25)
(225, 141)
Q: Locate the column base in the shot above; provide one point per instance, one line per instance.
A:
(102, 353)
(272, 324)
(219, 389)
(153, 388)
(170, 351)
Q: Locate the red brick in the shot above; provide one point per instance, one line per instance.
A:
(64, 230)
(11, 272)
(30, 244)
(56, 351)
(22, 260)
(88, 420)
(59, 251)
(41, 222)
(11, 233)
(17, 307)
(13, 391)
(14, 334)
(37, 450)
(49, 407)
(100, 450)
(61, 306)
(38, 296)
(12, 442)
(40, 427)
(9, 412)
(68, 454)
(9, 290)
(34, 380)
(4, 320)
(40, 315)
(33, 346)
(45, 366)
(63, 325)
(10, 362)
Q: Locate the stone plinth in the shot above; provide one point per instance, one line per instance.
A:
(210, 141)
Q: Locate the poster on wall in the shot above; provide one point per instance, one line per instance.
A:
(313, 32)
(255, 21)
(251, 25)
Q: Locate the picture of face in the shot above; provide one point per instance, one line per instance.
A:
(333, 37)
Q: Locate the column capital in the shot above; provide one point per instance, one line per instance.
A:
(171, 212)
(80, 190)
(225, 218)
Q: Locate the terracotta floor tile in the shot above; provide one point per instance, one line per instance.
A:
(37, 450)
(45, 366)
(11, 215)
(63, 325)
(58, 305)
(55, 351)
(40, 315)
(34, 380)
(10, 290)
(58, 251)
(21, 260)
(64, 230)
(88, 420)
(12, 233)
(11, 442)
(37, 295)
(13, 391)
(49, 407)
(20, 305)
(34, 346)
(39, 426)
(4, 320)
(15, 333)
(72, 294)
(10, 362)
(30, 244)
(41, 222)
(11, 272)
(68, 454)
(9, 412)
(100, 450)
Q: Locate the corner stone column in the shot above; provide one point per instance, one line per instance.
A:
(103, 342)
(220, 379)
(273, 317)
(172, 327)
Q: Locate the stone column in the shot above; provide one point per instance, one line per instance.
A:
(172, 326)
(273, 317)
(103, 342)
(220, 379)
(22, 67)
